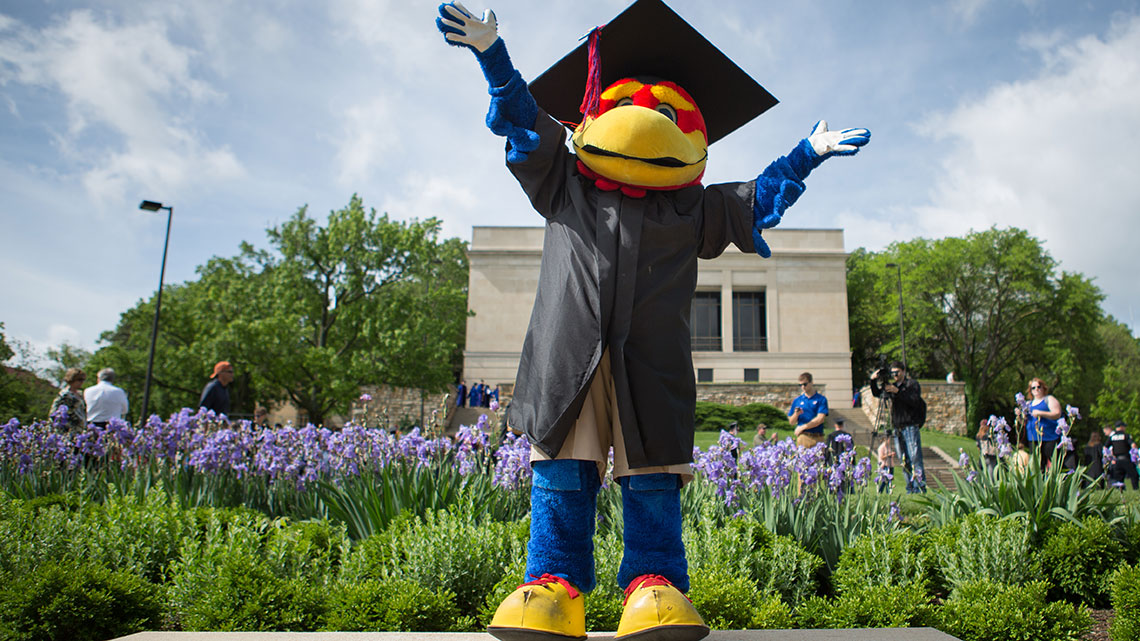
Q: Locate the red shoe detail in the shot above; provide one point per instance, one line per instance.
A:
(550, 578)
(646, 581)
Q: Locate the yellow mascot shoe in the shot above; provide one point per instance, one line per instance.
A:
(657, 611)
(546, 609)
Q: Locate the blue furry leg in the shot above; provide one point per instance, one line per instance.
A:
(652, 507)
(563, 504)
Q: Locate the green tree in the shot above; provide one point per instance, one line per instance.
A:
(23, 395)
(65, 357)
(1119, 396)
(990, 307)
(324, 310)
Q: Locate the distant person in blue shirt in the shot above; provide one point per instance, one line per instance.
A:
(216, 395)
(808, 413)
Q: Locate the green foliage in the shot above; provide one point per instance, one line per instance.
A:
(370, 300)
(885, 558)
(981, 547)
(742, 547)
(1125, 588)
(1045, 498)
(367, 503)
(1119, 397)
(771, 613)
(723, 597)
(987, 610)
(77, 600)
(236, 590)
(875, 606)
(391, 604)
(476, 559)
(990, 306)
(711, 417)
(23, 394)
(1078, 558)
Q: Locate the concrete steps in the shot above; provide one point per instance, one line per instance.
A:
(894, 634)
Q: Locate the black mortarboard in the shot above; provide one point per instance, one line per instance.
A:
(650, 39)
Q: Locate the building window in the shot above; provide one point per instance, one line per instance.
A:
(704, 375)
(749, 324)
(704, 320)
(751, 375)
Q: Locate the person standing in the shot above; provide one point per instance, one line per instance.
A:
(1122, 465)
(839, 441)
(70, 399)
(216, 394)
(461, 393)
(1092, 457)
(1041, 424)
(104, 400)
(808, 412)
(908, 413)
(886, 455)
(986, 446)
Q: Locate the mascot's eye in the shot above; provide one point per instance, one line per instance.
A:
(624, 102)
(667, 110)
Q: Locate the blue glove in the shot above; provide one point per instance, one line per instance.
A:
(513, 110)
(782, 182)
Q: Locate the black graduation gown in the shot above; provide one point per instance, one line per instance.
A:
(619, 273)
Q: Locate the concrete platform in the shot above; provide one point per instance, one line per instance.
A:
(892, 634)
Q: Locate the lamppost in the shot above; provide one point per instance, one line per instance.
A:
(150, 205)
(902, 331)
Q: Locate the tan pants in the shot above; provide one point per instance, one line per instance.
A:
(599, 427)
(809, 439)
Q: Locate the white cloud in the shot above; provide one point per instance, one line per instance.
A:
(369, 133)
(1054, 154)
(131, 80)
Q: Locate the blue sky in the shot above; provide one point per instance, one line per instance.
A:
(983, 113)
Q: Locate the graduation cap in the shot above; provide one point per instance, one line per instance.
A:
(650, 39)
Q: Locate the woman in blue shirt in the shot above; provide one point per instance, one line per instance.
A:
(1041, 423)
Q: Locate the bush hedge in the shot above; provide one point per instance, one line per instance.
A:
(712, 417)
(70, 568)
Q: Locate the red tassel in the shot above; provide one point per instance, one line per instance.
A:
(593, 96)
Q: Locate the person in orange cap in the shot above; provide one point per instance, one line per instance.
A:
(216, 394)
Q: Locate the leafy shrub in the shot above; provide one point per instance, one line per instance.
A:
(899, 557)
(771, 614)
(1125, 589)
(236, 590)
(774, 564)
(1077, 560)
(875, 606)
(442, 550)
(78, 601)
(980, 547)
(711, 417)
(985, 610)
(391, 604)
(723, 598)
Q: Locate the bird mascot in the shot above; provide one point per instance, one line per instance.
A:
(607, 360)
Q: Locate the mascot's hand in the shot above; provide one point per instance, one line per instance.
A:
(462, 29)
(837, 143)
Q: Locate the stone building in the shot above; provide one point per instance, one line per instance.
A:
(754, 320)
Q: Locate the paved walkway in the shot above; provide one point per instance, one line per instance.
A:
(896, 634)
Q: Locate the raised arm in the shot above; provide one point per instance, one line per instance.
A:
(783, 181)
(513, 110)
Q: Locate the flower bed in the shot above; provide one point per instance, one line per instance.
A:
(193, 523)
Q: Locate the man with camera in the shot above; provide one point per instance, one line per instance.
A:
(908, 413)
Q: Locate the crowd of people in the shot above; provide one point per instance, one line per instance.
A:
(480, 395)
(74, 407)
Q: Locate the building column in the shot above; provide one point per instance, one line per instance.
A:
(726, 345)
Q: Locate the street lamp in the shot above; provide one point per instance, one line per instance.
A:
(150, 205)
(902, 331)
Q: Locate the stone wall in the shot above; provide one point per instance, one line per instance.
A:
(945, 406)
(779, 395)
